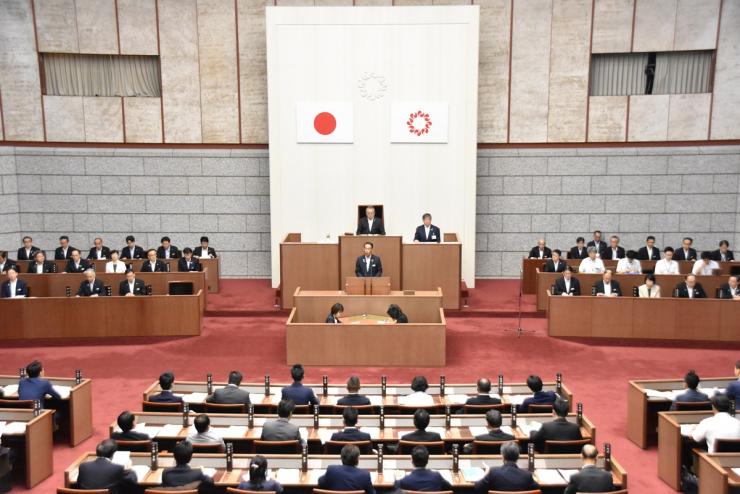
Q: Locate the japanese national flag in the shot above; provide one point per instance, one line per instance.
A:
(418, 121)
(330, 122)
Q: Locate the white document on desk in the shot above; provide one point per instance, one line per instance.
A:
(567, 473)
(170, 430)
(304, 433)
(64, 391)
(439, 430)
(15, 428)
(736, 471)
(687, 429)
(446, 474)
(141, 471)
(472, 474)
(478, 431)
(288, 475)
(518, 399)
(194, 397)
(548, 476)
(313, 476)
(10, 389)
(457, 399)
(325, 434)
(373, 431)
(375, 400)
(121, 458)
(209, 471)
(236, 431)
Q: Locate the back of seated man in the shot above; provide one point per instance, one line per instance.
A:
(419, 397)
(187, 262)
(281, 429)
(421, 479)
(534, 383)
(493, 424)
(350, 432)
(353, 398)
(76, 264)
(557, 430)
(690, 288)
(297, 392)
(590, 478)
(421, 422)
(34, 386)
(691, 382)
(102, 473)
(483, 396)
(203, 433)
(181, 474)
(166, 380)
(126, 422)
(347, 477)
(508, 477)
(232, 394)
(721, 425)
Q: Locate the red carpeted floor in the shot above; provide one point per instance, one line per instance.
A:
(597, 373)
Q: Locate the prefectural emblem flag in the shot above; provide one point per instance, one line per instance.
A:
(419, 122)
(324, 122)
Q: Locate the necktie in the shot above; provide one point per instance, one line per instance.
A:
(115, 268)
(648, 292)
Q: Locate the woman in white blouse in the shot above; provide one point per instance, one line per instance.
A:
(115, 266)
(649, 289)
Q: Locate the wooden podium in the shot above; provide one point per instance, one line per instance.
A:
(387, 247)
(379, 285)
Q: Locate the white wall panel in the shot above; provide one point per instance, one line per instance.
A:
(607, 119)
(696, 25)
(56, 26)
(612, 26)
(137, 25)
(103, 119)
(143, 119)
(648, 120)
(65, 119)
(655, 23)
(688, 117)
(726, 104)
(96, 26)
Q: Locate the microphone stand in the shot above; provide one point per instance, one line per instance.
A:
(519, 330)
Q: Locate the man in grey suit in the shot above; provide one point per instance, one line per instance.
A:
(231, 394)
(281, 429)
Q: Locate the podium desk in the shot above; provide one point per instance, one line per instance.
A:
(717, 472)
(428, 266)
(673, 445)
(32, 442)
(387, 247)
(312, 265)
(367, 319)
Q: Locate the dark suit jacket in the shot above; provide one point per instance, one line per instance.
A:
(165, 397)
(129, 436)
(174, 252)
(642, 254)
(93, 253)
(599, 285)
(35, 388)
(679, 255)
(198, 252)
(508, 477)
(539, 398)
(683, 290)
(353, 400)
(230, 395)
(101, 473)
(733, 393)
(346, 478)
(139, 287)
(59, 255)
(482, 400)
(573, 254)
(601, 248)
(717, 256)
(159, 267)
(434, 234)
(7, 265)
(363, 228)
(424, 480)
(590, 479)
(300, 394)
(606, 254)
(575, 286)
(556, 430)
(48, 267)
(376, 267)
(690, 396)
(421, 436)
(331, 319)
(535, 253)
(550, 266)
(81, 267)
(494, 436)
(138, 253)
(268, 485)
(97, 289)
(350, 434)
(22, 253)
(182, 475)
(20, 289)
(725, 291)
(182, 265)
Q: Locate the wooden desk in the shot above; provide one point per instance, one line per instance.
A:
(394, 467)
(642, 410)
(75, 411)
(100, 317)
(367, 319)
(641, 318)
(671, 443)
(311, 341)
(34, 445)
(387, 247)
(312, 265)
(715, 473)
(428, 266)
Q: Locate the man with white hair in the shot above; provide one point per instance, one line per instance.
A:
(591, 264)
(91, 287)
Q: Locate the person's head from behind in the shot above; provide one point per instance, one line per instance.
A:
(297, 372)
(166, 380)
(370, 212)
(349, 416)
(426, 219)
(691, 379)
(510, 451)
(421, 419)
(419, 384)
(483, 386)
(420, 456)
(560, 408)
(34, 369)
(394, 312)
(183, 452)
(368, 249)
(493, 419)
(650, 280)
(106, 449)
(589, 453)
(721, 403)
(353, 384)
(126, 421)
(258, 470)
(235, 377)
(285, 408)
(534, 383)
(350, 455)
(202, 423)
(337, 309)
(668, 253)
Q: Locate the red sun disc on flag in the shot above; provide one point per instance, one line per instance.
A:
(324, 123)
(419, 123)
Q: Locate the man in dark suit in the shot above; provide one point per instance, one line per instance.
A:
(132, 251)
(556, 430)
(493, 424)
(591, 478)
(690, 288)
(421, 479)
(167, 250)
(686, 252)
(598, 243)
(556, 264)
(540, 251)
(91, 287)
(152, 264)
(300, 394)
(28, 251)
(614, 250)
(76, 264)
(186, 262)
(350, 432)
(101, 473)
(127, 422)
(368, 265)
(421, 422)
(281, 429)
(427, 232)
(40, 264)
(539, 397)
(723, 254)
(204, 250)
(166, 380)
(650, 252)
(508, 477)
(353, 398)
(131, 287)
(13, 287)
(579, 251)
(731, 289)
(98, 250)
(483, 396)
(181, 474)
(347, 477)
(606, 286)
(34, 387)
(64, 251)
(369, 224)
(691, 395)
(567, 285)
(5, 262)
(232, 394)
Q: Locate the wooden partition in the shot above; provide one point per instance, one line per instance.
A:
(387, 247)
(428, 266)
(312, 265)
(672, 444)
(35, 442)
(716, 475)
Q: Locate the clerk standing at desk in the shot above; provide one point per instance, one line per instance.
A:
(427, 232)
(369, 224)
(368, 265)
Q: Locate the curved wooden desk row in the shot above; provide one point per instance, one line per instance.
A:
(211, 268)
(641, 318)
(718, 472)
(33, 442)
(101, 317)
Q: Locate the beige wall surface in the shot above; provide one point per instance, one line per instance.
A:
(533, 69)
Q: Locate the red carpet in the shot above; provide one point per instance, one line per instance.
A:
(596, 373)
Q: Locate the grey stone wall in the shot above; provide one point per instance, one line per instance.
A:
(9, 224)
